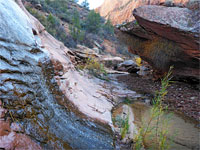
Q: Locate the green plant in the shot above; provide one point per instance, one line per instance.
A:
(95, 68)
(155, 128)
(122, 123)
(93, 22)
(108, 27)
(127, 101)
(75, 28)
(125, 126)
(53, 26)
(85, 4)
(38, 15)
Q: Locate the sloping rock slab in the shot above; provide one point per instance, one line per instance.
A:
(59, 108)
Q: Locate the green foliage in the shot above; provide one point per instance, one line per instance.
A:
(155, 128)
(85, 4)
(93, 22)
(83, 30)
(127, 101)
(95, 68)
(125, 126)
(53, 26)
(122, 123)
(55, 6)
(108, 27)
(38, 15)
(75, 28)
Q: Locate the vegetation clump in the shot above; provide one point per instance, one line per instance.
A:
(154, 128)
(75, 28)
(85, 4)
(95, 68)
(93, 22)
(53, 26)
(72, 26)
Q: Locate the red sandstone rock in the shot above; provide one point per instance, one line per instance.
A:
(119, 11)
(179, 25)
(17, 142)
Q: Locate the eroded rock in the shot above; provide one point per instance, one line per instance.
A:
(180, 26)
(164, 37)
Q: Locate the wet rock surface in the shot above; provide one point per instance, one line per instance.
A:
(42, 91)
(11, 135)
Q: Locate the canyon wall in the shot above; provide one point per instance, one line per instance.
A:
(119, 11)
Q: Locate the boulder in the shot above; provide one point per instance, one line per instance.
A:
(176, 38)
(180, 25)
(128, 66)
(110, 61)
(165, 36)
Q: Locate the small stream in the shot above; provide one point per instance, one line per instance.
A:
(183, 131)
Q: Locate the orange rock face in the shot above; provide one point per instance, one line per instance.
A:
(119, 11)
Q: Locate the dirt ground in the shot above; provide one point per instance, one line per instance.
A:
(182, 97)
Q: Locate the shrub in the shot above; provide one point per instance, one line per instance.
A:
(37, 15)
(85, 4)
(155, 128)
(95, 68)
(54, 27)
(93, 22)
(75, 28)
(108, 27)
